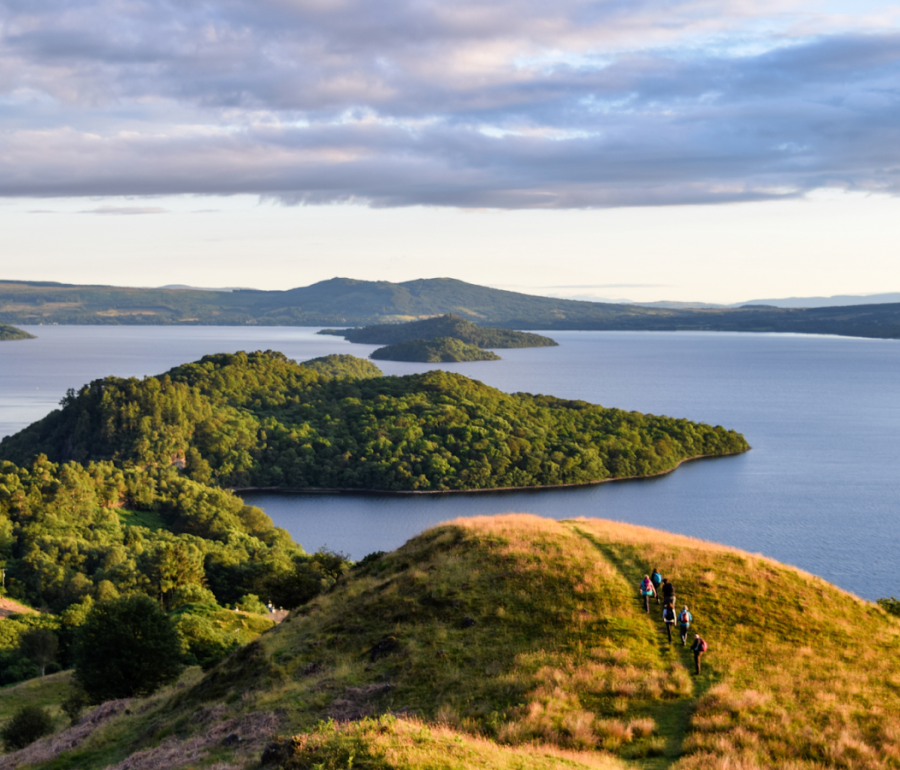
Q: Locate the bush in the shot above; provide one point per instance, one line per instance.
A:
(76, 702)
(191, 594)
(125, 648)
(891, 605)
(27, 725)
(252, 603)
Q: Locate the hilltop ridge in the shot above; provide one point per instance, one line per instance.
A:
(487, 640)
(345, 301)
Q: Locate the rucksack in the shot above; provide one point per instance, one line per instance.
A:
(703, 645)
(685, 617)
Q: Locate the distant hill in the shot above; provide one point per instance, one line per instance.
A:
(514, 642)
(449, 325)
(343, 366)
(12, 333)
(838, 300)
(434, 351)
(347, 302)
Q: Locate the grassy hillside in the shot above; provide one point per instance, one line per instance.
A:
(436, 351)
(348, 302)
(262, 420)
(12, 333)
(443, 326)
(515, 641)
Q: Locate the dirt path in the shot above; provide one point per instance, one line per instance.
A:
(10, 607)
(672, 717)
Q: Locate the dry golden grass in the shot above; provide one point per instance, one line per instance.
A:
(805, 674)
(409, 744)
(515, 641)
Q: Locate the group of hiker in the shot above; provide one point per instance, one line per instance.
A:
(654, 585)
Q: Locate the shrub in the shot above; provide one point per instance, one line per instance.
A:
(27, 725)
(75, 704)
(191, 594)
(126, 647)
(252, 603)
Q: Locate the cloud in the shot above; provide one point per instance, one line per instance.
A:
(125, 210)
(508, 104)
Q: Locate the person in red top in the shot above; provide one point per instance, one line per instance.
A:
(698, 648)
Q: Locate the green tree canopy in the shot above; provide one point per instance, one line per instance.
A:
(125, 648)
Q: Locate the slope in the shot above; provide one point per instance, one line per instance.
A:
(526, 632)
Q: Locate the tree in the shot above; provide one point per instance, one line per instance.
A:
(126, 647)
(40, 646)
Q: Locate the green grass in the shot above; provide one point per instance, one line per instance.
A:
(149, 519)
(47, 692)
(515, 641)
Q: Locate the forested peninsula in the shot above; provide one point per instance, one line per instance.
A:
(261, 420)
(12, 333)
(448, 325)
(434, 351)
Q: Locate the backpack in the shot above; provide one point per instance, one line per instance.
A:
(703, 645)
(684, 617)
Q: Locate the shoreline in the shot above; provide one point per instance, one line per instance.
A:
(546, 487)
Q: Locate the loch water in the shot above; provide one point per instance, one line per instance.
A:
(820, 488)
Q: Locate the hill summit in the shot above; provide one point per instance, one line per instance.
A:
(514, 642)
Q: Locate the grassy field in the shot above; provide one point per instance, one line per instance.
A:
(48, 692)
(515, 641)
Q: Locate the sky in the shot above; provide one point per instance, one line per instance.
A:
(711, 150)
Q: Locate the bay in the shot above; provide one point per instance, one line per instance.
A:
(820, 488)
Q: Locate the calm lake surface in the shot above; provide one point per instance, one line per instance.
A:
(820, 489)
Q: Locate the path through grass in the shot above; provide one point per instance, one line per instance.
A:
(672, 718)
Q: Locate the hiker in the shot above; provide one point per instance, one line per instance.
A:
(668, 592)
(669, 619)
(684, 623)
(647, 590)
(698, 648)
(656, 578)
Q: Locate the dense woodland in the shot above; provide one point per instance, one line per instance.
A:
(259, 419)
(343, 366)
(12, 333)
(449, 325)
(434, 351)
(72, 535)
(347, 302)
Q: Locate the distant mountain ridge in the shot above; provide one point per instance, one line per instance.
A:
(349, 302)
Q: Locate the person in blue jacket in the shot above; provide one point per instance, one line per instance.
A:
(684, 623)
(657, 580)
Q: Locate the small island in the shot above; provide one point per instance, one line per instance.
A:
(443, 326)
(343, 366)
(8, 332)
(436, 351)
